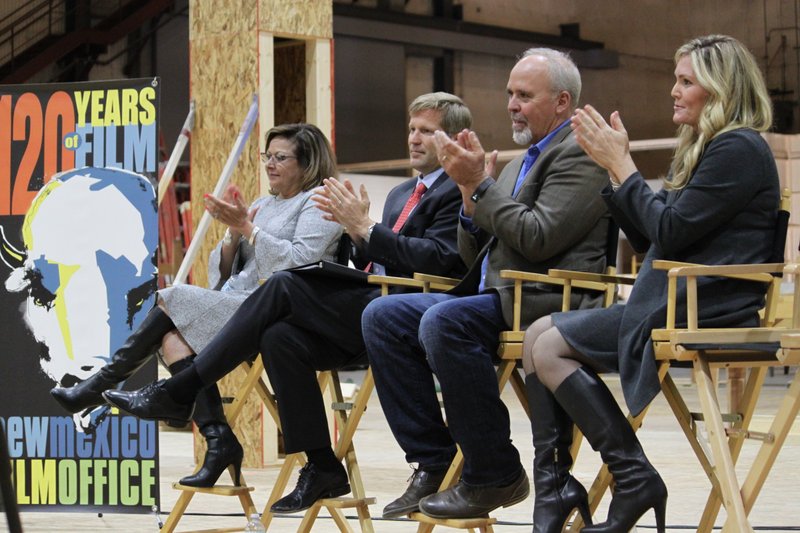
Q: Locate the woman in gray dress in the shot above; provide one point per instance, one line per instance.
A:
(719, 206)
(278, 231)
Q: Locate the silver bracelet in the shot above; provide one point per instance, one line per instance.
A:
(252, 239)
(227, 239)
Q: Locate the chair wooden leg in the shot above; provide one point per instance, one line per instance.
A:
(280, 484)
(340, 520)
(187, 493)
(308, 519)
(743, 402)
(424, 528)
(364, 518)
(344, 450)
(518, 384)
(251, 381)
(177, 512)
(780, 427)
(729, 486)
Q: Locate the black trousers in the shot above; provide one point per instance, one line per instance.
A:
(300, 323)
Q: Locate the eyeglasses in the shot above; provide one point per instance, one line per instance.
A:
(279, 158)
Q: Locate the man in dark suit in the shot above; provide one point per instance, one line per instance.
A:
(544, 211)
(303, 322)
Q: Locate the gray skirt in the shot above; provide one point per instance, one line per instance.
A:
(594, 333)
(200, 313)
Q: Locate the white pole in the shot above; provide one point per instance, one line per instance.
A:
(175, 157)
(222, 182)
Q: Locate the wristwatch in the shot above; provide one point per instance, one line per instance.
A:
(369, 231)
(227, 239)
(480, 190)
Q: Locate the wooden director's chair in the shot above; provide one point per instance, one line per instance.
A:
(510, 357)
(752, 349)
(346, 426)
(742, 351)
(345, 429)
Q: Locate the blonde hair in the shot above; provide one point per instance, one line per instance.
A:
(312, 149)
(737, 98)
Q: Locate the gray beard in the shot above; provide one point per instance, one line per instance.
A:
(522, 138)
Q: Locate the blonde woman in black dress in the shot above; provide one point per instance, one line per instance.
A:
(718, 206)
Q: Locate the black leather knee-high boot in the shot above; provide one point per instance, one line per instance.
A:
(223, 446)
(638, 487)
(557, 492)
(130, 357)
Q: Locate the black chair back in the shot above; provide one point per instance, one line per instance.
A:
(344, 250)
(612, 242)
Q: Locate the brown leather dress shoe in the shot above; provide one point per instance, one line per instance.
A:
(422, 484)
(465, 501)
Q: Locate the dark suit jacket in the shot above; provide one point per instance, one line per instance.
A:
(557, 220)
(426, 242)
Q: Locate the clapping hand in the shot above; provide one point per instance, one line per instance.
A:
(606, 144)
(340, 203)
(463, 158)
(231, 209)
(465, 162)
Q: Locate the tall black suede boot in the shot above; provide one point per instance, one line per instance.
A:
(557, 492)
(224, 449)
(638, 487)
(130, 357)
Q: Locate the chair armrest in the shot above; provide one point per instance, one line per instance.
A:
(751, 272)
(566, 282)
(576, 275)
(439, 283)
(535, 277)
(436, 279)
(789, 353)
(393, 281)
(664, 264)
(792, 268)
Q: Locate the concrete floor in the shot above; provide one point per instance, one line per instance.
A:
(385, 474)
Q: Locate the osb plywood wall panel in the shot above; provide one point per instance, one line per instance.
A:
(290, 82)
(300, 18)
(224, 76)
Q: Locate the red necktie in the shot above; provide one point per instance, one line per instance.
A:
(411, 203)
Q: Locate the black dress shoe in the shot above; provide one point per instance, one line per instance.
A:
(151, 403)
(84, 395)
(422, 484)
(464, 501)
(312, 485)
